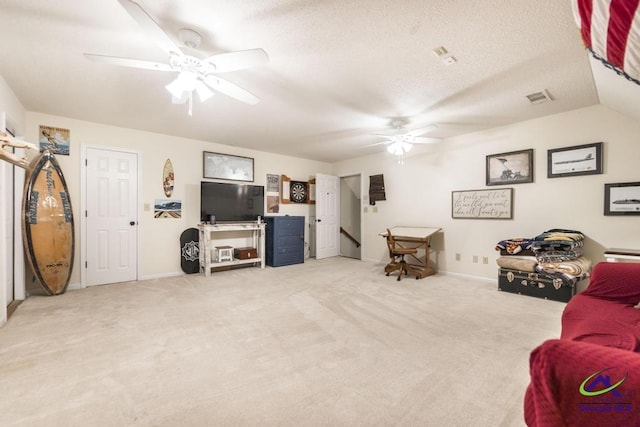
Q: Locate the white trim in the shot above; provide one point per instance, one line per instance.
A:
(163, 275)
(445, 273)
(83, 207)
(469, 276)
(19, 275)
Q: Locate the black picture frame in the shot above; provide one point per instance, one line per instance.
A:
(622, 198)
(227, 166)
(514, 167)
(577, 160)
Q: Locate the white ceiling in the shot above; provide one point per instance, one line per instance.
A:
(338, 71)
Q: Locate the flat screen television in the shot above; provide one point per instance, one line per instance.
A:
(231, 202)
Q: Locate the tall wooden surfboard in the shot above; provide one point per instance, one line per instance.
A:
(47, 225)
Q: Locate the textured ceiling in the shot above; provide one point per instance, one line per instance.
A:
(338, 71)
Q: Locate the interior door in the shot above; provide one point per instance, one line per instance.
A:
(327, 216)
(111, 237)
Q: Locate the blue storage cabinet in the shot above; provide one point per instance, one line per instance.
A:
(284, 240)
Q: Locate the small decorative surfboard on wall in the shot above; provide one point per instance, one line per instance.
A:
(47, 225)
(167, 178)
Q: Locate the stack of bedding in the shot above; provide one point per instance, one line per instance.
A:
(551, 258)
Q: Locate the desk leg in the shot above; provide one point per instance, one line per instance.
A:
(423, 269)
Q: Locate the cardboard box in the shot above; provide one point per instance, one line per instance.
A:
(245, 253)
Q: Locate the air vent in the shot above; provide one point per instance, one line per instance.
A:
(539, 97)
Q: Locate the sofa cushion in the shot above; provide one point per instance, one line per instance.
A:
(600, 321)
(560, 369)
(615, 281)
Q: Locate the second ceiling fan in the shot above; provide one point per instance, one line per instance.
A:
(194, 74)
(400, 141)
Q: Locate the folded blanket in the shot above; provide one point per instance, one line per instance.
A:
(566, 279)
(559, 234)
(520, 263)
(558, 255)
(514, 246)
(560, 245)
(576, 267)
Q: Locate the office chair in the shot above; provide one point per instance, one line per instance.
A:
(397, 253)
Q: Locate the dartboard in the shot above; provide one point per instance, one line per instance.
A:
(298, 192)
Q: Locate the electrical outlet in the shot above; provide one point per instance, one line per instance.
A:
(375, 209)
(365, 209)
(485, 260)
(475, 259)
(458, 257)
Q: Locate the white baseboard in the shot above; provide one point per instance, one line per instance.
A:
(469, 276)
(76, 286)
(161, 275)
(446, 273)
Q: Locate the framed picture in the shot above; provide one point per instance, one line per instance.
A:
(55, 139)
(482, 204)
(515, 167)
(622, 198)
(577, 160)
(225, 166)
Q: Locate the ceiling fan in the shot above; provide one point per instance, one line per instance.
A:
(194, 74)
(399, 142)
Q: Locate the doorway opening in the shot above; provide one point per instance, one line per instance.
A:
(350, 216)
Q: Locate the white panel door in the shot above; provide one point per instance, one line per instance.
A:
(111, 216)
(327, 216)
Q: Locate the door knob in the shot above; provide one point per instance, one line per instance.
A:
(132, 223)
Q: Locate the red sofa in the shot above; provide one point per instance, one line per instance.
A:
(591, 375)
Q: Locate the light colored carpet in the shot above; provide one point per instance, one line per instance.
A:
(326, 343)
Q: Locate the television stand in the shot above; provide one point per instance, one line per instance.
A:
(212, 235)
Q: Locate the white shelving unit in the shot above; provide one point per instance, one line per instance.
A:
(212, 235)
(622, 255)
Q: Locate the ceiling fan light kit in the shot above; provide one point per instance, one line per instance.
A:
(195, 74)
(399, 148)
(398, 143)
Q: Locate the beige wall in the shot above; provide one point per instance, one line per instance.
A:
(159, 238)
(419, 191)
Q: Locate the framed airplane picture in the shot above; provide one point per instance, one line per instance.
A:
(622, 198)
(577, 160)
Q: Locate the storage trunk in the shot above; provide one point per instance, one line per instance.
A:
(245, 253)
(538, 285)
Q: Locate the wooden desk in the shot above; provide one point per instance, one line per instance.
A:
(414, 237)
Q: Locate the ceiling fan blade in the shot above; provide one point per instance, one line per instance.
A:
(390, 133)
(425, 140)
(150, 27)
(230, 89)
(376, 143)
(126, 62)
(181, 100)
(238, 60)
(422, 130)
